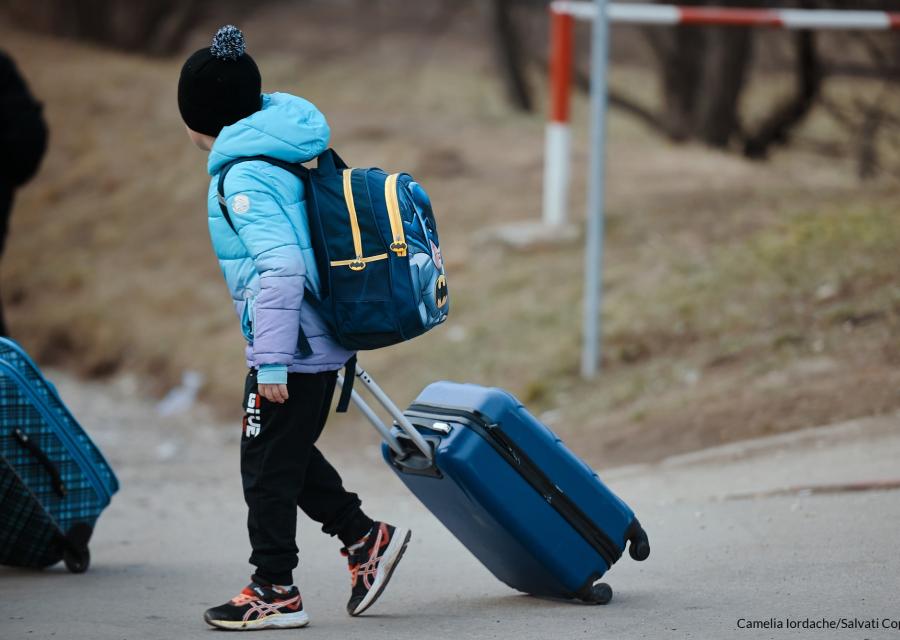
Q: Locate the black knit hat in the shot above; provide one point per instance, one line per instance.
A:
(219, 85)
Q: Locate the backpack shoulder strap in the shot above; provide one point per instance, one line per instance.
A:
(297, 169)
(347, 387)
(328, 163)
(221, 186)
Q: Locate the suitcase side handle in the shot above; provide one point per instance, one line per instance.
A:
(385, 401)
(56, 479)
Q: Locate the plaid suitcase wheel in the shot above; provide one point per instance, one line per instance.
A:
(54, 482)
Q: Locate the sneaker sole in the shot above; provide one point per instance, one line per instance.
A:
(275, 621)
(395, 550)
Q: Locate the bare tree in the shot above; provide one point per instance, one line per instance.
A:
(155, 27)
(776, 128)
(508, 48)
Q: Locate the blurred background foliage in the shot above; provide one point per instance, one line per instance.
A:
(702, 72)
(751, 266)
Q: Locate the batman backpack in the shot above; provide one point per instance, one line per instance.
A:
(377, 252)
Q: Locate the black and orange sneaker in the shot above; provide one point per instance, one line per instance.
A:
(260, 607)
(372, 562)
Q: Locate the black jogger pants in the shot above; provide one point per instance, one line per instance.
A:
(282, 469)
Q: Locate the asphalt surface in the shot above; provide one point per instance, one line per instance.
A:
(724, 550)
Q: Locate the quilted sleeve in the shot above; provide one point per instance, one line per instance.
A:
(269, 237)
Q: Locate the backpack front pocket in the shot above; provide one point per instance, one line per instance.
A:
(365, 306)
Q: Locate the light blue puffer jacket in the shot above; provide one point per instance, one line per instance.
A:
(269, 265)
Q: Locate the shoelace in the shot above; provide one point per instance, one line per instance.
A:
(242, 599)
(354, 560)
(362, 554)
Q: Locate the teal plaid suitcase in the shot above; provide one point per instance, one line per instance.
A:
(54, 482)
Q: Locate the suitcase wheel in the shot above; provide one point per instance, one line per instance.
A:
(601, 593)
(76, 554)
(77, 560)
(639, 548)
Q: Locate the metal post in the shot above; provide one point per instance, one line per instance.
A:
(593, 254)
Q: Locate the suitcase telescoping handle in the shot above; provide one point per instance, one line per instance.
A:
(384, 400)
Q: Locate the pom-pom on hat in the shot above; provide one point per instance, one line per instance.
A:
(219, 85)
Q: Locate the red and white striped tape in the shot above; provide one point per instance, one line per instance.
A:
(663, 14)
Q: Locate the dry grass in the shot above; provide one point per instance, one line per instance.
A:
(742, 298)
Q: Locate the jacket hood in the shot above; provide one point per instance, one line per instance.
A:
(287, 128)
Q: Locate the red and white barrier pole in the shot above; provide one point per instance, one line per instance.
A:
(557, 167)
(558, 136)
(556, 158)
(733, 16)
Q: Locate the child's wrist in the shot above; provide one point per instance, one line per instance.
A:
(272, 374)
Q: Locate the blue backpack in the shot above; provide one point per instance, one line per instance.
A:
(376, 246)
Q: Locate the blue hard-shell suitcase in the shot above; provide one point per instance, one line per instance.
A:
(54, 482)
(506, 486)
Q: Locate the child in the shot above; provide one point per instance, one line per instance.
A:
(269, 266)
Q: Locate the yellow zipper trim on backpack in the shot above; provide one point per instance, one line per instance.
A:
(359, 263)
(398, 245)
(363, 261)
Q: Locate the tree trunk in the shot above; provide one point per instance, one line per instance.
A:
(681, 53)
(729, 54)
(508, 49)
(703, 71)
(776, 128)
(155, 27)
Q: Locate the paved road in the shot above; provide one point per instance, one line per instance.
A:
(173, 543)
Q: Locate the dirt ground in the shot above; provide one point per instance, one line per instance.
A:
(742, 299)
(737, 533)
